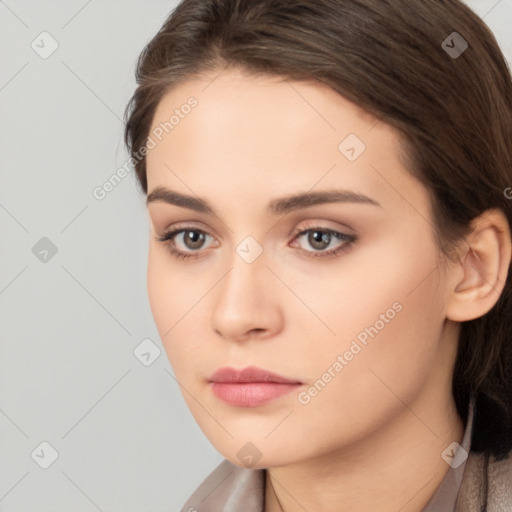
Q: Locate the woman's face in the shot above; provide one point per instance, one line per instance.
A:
(344, 297)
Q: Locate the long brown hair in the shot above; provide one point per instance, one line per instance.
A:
(449, 96)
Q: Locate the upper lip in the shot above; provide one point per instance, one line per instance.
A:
(248, 374)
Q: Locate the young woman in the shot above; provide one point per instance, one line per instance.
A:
(328, 185)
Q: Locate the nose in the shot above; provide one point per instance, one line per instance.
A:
(246, 303)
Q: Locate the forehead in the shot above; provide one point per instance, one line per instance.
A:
(258, 102)
(269, 134)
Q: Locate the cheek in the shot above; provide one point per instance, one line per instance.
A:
(339, 301)
(387, 299)
(388, 325)
(171, 291)
(175, 302)
(161, 302)
(166, 294)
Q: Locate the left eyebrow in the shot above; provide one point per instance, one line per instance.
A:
(276, 206)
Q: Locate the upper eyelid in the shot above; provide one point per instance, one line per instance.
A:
(296, 233)
(178, 229)
(318, 224)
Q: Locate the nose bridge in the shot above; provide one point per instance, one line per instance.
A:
(248, 266)
(245, 300)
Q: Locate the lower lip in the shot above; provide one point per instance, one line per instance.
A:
(250, 394)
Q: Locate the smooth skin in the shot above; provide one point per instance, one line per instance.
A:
(372, 438)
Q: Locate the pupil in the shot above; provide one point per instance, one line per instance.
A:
(319, 237)
(194, 237)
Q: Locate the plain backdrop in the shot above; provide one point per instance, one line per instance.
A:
(87, 423)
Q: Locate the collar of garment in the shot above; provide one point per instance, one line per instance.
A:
(230, 488)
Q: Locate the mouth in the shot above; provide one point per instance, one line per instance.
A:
(250, 387)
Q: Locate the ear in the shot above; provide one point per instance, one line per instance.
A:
(478, 277)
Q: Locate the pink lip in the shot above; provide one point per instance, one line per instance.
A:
(249, 374)
(249, 387)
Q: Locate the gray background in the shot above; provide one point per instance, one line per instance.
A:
(70, 321)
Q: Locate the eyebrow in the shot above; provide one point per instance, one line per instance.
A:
(276, 206)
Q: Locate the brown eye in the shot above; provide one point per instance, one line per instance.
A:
(193, 239)
(184, 243)
(320, 239)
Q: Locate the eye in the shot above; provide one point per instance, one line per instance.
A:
(186, 242)
(192, 239)
(321, 238)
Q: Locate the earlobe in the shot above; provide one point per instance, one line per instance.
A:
(477, 279)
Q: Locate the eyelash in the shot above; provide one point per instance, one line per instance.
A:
(168, 237)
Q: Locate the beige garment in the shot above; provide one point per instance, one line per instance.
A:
(230, 488)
